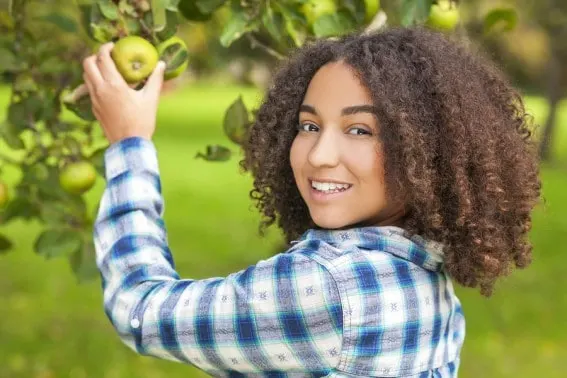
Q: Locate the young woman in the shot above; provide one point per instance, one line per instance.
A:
(395, 163)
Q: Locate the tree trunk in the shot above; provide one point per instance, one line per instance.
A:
(554, 94)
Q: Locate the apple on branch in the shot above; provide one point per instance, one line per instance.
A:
(135, 59)
(444, 15)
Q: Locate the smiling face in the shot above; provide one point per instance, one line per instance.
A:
(336, 156)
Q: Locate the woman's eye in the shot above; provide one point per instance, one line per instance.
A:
(307, 127)
(359, 131)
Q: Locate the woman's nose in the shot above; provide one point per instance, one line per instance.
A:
(325, 152)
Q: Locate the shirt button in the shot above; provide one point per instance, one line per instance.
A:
(135, 323)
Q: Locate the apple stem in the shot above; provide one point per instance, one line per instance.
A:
(136, 65)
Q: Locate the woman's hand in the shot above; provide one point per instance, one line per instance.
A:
(123, 112)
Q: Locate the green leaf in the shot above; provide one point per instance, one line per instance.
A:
(38, 171)
(17, 115)
(75, 204)
(11, 136)
(51, 105)
(82, 109)
(215, 153)
(25, 83)
(5, 244)
(8, 61)
(83, 263)
(72, 144)
(172, 22)
(49, 189)
(148, 20)
(172, 5)
(209, 6)
(90, 16)
(174, 56)
(356, 8)
(415, 11)
(191, 12)
(97, 159)
(64, 22)
(85, 16)
(295, 24)
(504, 19)
(25, 113)
(331, 25)
(52, 213)
(133, 26)
(158, 14)
(57, 242)
(62, 126)
(53, 66)
(236, 121)
(273, 22)
(108, 9)
(80, 104)
(103, 31)
(235, 28)
(34, 104)
(127, 8)
(19, 207)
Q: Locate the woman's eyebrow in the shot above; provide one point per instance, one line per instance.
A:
(359, 109)
(346, 111)
(307, 109)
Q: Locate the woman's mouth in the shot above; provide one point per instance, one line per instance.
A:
(321, 190)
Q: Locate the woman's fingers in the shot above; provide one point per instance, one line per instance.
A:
(155, 81)
(107, 67)
(89, 86)
(92, 71)
(94, 99)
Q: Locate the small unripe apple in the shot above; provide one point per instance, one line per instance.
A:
(77, 177)
(443, 16)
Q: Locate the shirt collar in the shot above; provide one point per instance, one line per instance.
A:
(392, 239)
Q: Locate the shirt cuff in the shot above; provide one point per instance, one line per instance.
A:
(134, 154)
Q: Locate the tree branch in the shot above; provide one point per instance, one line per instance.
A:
(378, 22)
(255, 43)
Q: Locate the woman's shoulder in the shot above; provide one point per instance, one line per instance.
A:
(376, 244)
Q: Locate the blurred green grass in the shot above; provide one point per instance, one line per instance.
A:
(52, 327)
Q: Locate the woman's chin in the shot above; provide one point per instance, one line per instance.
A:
(331, 223)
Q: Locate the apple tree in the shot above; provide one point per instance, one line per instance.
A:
(50, 156)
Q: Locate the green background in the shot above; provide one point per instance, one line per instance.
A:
(53, 327)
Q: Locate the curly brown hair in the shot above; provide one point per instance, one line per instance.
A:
(457, 143)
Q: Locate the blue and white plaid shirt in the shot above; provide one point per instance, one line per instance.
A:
(368, 302)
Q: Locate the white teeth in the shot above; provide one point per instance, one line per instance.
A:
(329, 186)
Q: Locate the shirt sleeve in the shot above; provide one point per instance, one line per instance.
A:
(283, 313)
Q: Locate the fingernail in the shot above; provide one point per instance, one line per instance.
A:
(162, 65)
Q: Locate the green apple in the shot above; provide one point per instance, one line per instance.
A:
(135, 58)
(443, 16)
(173, 52)
(313, 9)
(77, 177)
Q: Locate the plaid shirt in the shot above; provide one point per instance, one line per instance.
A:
(362, 302)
